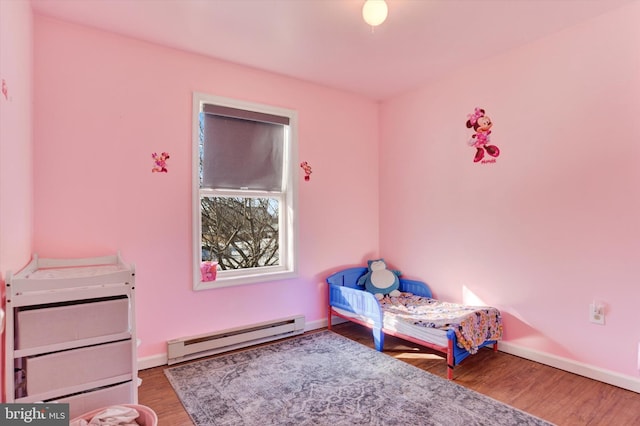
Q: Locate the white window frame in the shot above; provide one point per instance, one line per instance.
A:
(288, 231)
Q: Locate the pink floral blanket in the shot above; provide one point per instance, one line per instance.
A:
(473, 325)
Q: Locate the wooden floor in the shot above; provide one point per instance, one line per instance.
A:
(551, 394)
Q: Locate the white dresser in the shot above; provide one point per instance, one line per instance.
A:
(70, 333)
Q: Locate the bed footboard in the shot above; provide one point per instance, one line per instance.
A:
(360, 303)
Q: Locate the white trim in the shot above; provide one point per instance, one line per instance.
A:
(152, 361)
(288, 214)
(317, 324)
(565, 364)
(576, 367)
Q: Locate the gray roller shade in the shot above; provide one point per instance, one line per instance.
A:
(242, 149)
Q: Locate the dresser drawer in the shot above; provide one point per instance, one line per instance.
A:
(74, 367)
(57, 324)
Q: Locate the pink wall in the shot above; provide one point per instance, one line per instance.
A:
(540, 233)
(104, 103)
(16, 191)
(16, 188)
(554, 223)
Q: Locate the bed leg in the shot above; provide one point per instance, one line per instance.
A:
(329, 307)
(495, 347)
(378, 339)
(450, 360)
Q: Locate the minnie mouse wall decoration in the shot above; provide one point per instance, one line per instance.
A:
(5, 89)
(307, 170)
(481, 124)
(160, 162)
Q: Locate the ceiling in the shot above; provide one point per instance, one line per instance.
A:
(327, 42)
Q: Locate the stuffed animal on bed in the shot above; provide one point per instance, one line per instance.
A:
(379, 280)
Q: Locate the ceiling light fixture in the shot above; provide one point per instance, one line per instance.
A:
(374, 12)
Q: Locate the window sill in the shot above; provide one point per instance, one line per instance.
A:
(232, 281)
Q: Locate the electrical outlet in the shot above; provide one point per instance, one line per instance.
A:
(596, 313)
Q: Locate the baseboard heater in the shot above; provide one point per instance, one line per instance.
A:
(188, 348)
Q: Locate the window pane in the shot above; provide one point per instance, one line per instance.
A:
(240, 232)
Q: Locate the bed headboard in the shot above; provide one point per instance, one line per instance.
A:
(349, 278)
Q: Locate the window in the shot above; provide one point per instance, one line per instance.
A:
(244, 192)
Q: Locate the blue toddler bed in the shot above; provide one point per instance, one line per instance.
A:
(456, 330)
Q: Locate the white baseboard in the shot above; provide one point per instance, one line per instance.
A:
(315, 325)
(579, 368)
(566, 364)
(152, 361)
